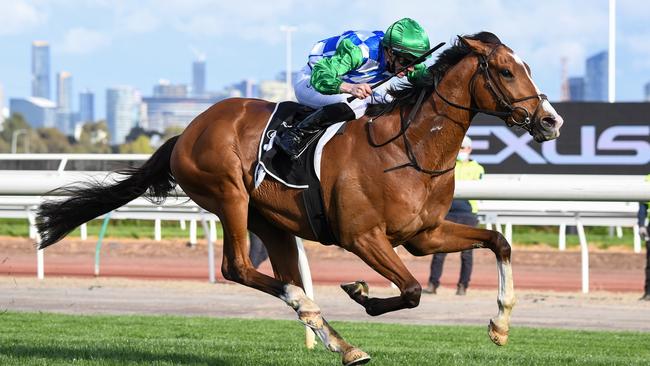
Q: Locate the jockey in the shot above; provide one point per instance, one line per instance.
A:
(349, 64)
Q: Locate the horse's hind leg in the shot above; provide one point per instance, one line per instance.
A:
(452, 237)
(284, 260)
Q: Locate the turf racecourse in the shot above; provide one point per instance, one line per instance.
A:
(54, 339)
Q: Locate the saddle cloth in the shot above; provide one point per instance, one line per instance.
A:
(302, 173)
(295, 173)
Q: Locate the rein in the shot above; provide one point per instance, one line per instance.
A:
(499, 95)
(495, 89)
(404, 125)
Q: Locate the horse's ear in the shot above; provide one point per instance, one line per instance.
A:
(462, 40)
(476, 46)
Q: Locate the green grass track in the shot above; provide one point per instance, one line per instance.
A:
(54, 339)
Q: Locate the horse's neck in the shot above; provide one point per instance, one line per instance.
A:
(440, 128)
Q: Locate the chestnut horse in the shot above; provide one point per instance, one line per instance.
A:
(386, 181)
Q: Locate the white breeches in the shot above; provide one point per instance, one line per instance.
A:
(307, 95)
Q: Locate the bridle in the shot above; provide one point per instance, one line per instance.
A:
(499, 95)
(501, 98)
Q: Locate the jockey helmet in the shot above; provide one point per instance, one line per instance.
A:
(406, 36)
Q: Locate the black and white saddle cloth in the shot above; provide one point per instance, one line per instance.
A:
(303, 172)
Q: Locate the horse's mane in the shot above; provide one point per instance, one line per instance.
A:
(445, 61)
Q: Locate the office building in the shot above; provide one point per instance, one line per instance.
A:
(577, 89)
(596, 79)
(64, 121)
(122, 112)
(179, 112)
(165, 89)
(64, 90)
(38, 112)
(86, 106)
(646, 92)
(64, 118)
(41, 69)
(246, 88)
(143, 118)
(273, 90)
(198, 78)
(282, 75)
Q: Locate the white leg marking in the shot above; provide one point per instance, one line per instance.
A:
(309, 313)
(295, 297)
(506, 298)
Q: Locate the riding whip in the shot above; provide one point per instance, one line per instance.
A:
(403, 68)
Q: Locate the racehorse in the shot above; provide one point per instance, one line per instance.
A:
(386, 181)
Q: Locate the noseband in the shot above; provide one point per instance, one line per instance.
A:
(500, 97)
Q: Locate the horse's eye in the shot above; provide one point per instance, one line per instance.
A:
(505, 73)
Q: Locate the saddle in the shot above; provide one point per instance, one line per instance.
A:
(301, 173)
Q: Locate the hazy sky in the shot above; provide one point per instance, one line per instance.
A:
(114, 42)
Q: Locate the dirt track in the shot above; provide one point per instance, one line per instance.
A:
(547, 284)
(540, 268)
(121, 296)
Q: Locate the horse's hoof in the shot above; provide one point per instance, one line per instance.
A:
(311, 319)
(497, 335)
(354, 289)
(355, 356)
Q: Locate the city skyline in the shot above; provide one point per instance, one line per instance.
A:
(245, 41)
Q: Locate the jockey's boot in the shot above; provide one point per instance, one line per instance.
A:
(294, 140)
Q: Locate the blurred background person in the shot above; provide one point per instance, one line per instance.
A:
(257, 251)
(462, 212)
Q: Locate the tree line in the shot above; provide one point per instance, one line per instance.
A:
(94, 138)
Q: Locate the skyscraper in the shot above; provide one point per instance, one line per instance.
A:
(41, 69)
(198, 78)
(646, 94)
(64, 120)
(576, 89)
(178, 112)
(247, 88)
(86, 106)
(165, 89)
(64, 90)
(122, 110)
(596, 80)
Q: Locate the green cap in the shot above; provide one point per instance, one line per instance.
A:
(406, 36)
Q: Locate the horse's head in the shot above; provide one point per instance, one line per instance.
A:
(503, 85)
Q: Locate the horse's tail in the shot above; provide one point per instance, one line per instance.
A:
(88, 200)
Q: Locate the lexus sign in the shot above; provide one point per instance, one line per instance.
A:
(597, 138)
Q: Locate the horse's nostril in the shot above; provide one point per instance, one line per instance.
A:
(549, 121)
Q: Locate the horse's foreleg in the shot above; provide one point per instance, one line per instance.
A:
(284, 260)
(452, 237)
(374, 248)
